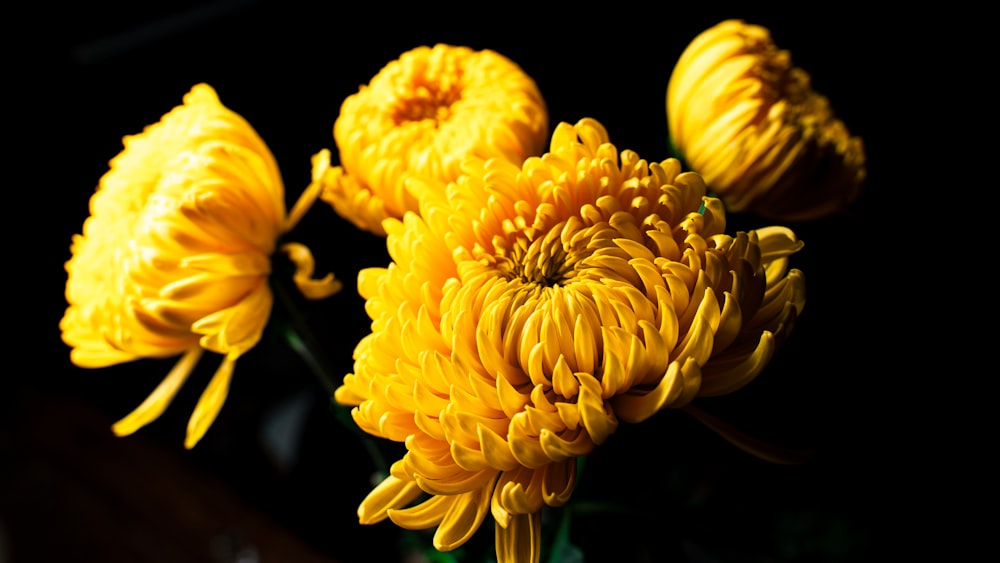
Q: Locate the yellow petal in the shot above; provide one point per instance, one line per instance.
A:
(427, 514)
(463, 518)
(521, 540)
(236, 329)
(558, 482)
(730, 374)
(391, 493)
(160, 398)
(597, 418)
(559, 449)
(636, 407)
(210, 403)
(311, 288)
(321, 163)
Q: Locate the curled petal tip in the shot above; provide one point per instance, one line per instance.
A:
(305, 265)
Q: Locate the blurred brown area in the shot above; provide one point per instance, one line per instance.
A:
(71, 490)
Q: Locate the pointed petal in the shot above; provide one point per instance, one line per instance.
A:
(633, 407)
(597, 418)
(728, 375)
(320, 164)
(390, 494)
(210, 403)
(160, 398)
(425, 515)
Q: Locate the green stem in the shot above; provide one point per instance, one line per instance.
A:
(561, 547)
(561, 542)
(296, 332)
(294, 339)
(298, 336)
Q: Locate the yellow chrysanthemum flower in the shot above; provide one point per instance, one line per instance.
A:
(750, 123)
(175, 255)
(527, 310)
(420, 116)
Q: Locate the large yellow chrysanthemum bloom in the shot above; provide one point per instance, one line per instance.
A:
(527, 310)
(420, 116)
(175, 255)
(749, 122)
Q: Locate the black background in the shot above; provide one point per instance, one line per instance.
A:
(841, 386)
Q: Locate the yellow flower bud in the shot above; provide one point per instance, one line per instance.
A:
(748, 121)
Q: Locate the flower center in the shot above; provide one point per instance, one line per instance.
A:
(547, 260)
(426, 101)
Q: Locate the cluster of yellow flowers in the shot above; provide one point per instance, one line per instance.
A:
(534, 300)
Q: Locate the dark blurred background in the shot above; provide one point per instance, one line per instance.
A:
(278, 477)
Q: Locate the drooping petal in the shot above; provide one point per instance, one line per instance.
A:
(521, 540)
(210, 402)
(160, 398)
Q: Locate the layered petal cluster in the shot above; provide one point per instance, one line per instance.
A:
(420, 116)
(175, 256)
(750, 123)
(528, 310)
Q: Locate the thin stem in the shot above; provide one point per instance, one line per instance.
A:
(298, 336)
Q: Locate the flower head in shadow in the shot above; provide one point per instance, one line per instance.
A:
(749, 122)
(528, 310)
(175, 256)
(420, 116)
